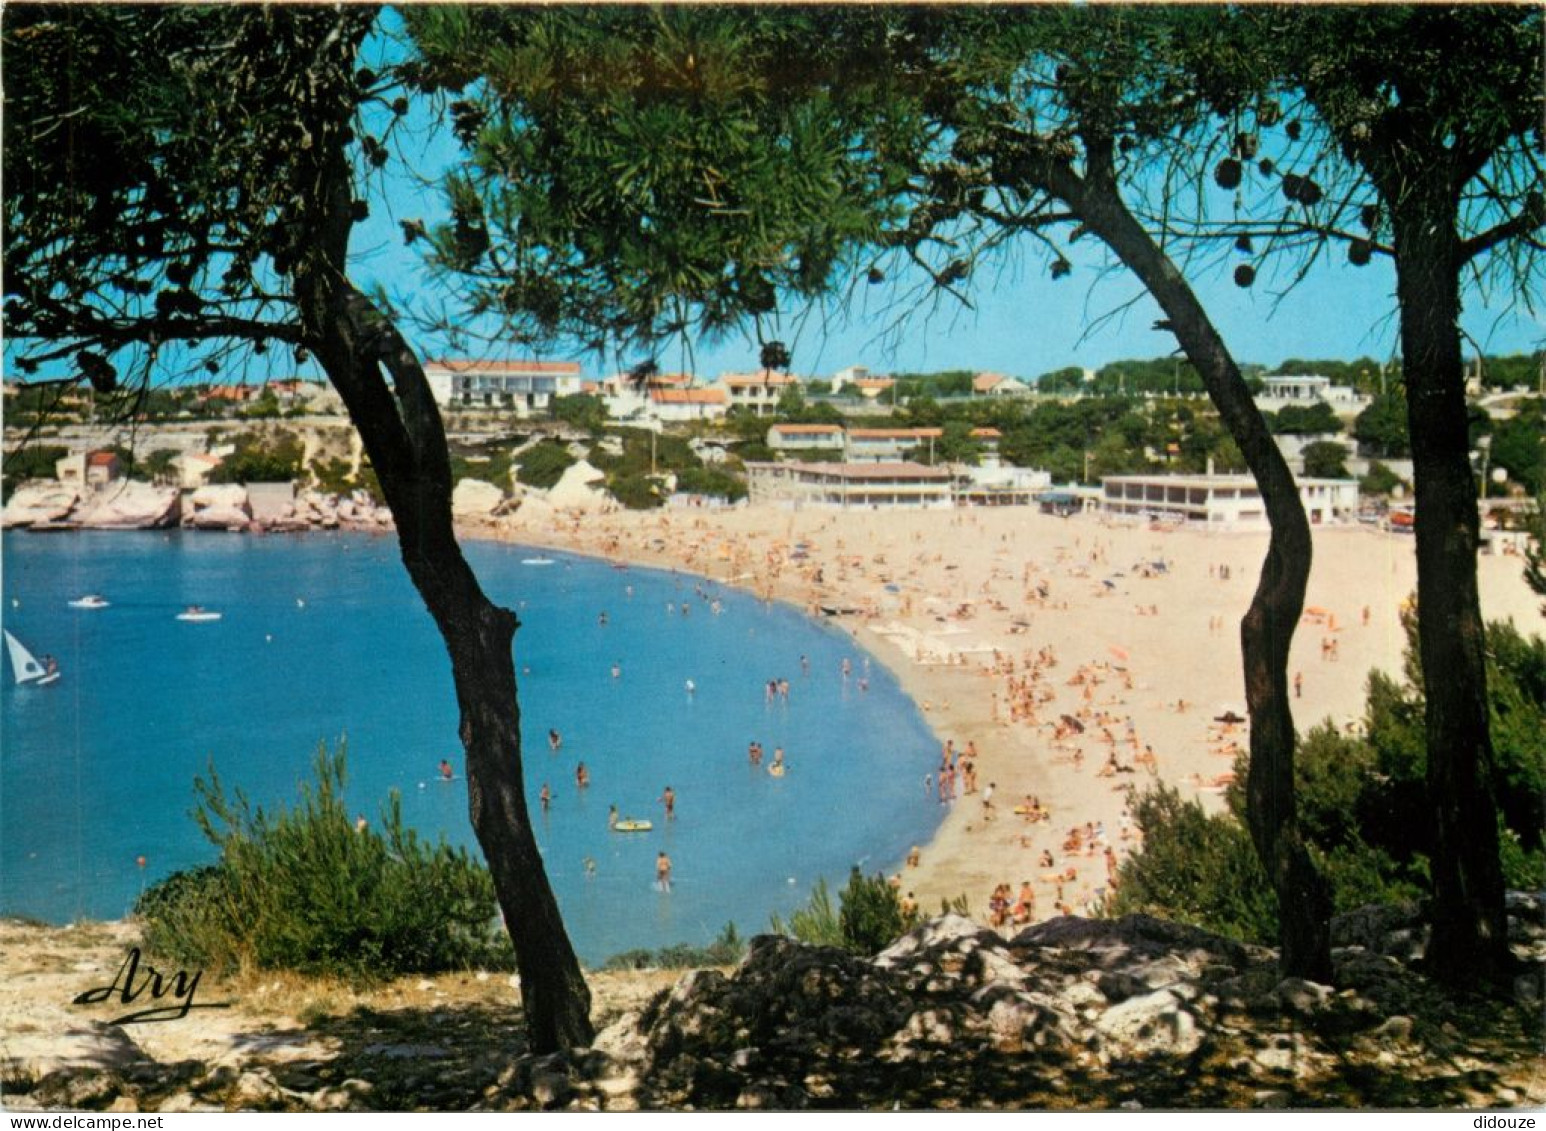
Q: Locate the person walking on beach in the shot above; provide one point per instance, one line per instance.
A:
(662, 872)
(987, 801)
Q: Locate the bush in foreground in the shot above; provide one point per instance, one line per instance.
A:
(306, 890)
(869, 916)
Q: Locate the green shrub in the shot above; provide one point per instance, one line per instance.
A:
(1195, 868)
(816, 923)
(35, 461)
(1363, 807)
(543, 465)
(637, 492)
(726, 950)
(711, 481)
(305, 890)
(869, 918)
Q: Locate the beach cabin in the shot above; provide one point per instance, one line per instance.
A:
(521, 385)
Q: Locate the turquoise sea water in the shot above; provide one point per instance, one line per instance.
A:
(322, 636)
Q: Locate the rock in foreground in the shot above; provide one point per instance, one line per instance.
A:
(1071, 1014)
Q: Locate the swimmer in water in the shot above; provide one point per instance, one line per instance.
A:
(555, 740)
(446, 772)
(581, 776)
(663, 872)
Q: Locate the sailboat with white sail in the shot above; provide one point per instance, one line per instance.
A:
(27, 668)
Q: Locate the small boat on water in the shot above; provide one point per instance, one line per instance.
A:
(27, 667)
(198, 614)
(90, 601)
(537, 561)
(632, 826)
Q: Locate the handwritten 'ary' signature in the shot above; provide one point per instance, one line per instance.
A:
(128, 986)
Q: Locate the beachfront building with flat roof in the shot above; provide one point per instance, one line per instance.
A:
(1224, 501)
(849, 486)
(525, 386)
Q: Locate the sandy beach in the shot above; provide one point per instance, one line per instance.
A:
(1061, 661)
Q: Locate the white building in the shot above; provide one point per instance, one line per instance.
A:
(1279, 392)
(997, 385)
(787, 437)
(676, 406)
(525, 386)
(757, 392)
(1228, 501)
(886, 445)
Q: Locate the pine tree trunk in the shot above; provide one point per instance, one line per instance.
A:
(402, 432)
(1267, 630)
(1469, 942)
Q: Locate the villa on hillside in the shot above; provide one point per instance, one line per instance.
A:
(674, 406)
(797, 437)
(1280, 392)
(526, 386)
(885, 445)
(1227, 501)
(758, 392)
(998, 385)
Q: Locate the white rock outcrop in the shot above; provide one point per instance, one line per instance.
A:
(219, 507)
(475, 498)
(45, 501)
(128, 505)
(582, 487)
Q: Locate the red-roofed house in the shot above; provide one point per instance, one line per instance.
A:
(784, 437)
(525, 386)
(674, 405)
(850, 485)
(880, 445)
(997, 385)
(102, 468)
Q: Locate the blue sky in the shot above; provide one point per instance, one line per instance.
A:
(1020, 320)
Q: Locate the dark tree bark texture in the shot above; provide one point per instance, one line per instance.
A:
(1469, 944)
(401, 429)
(1267, 630)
